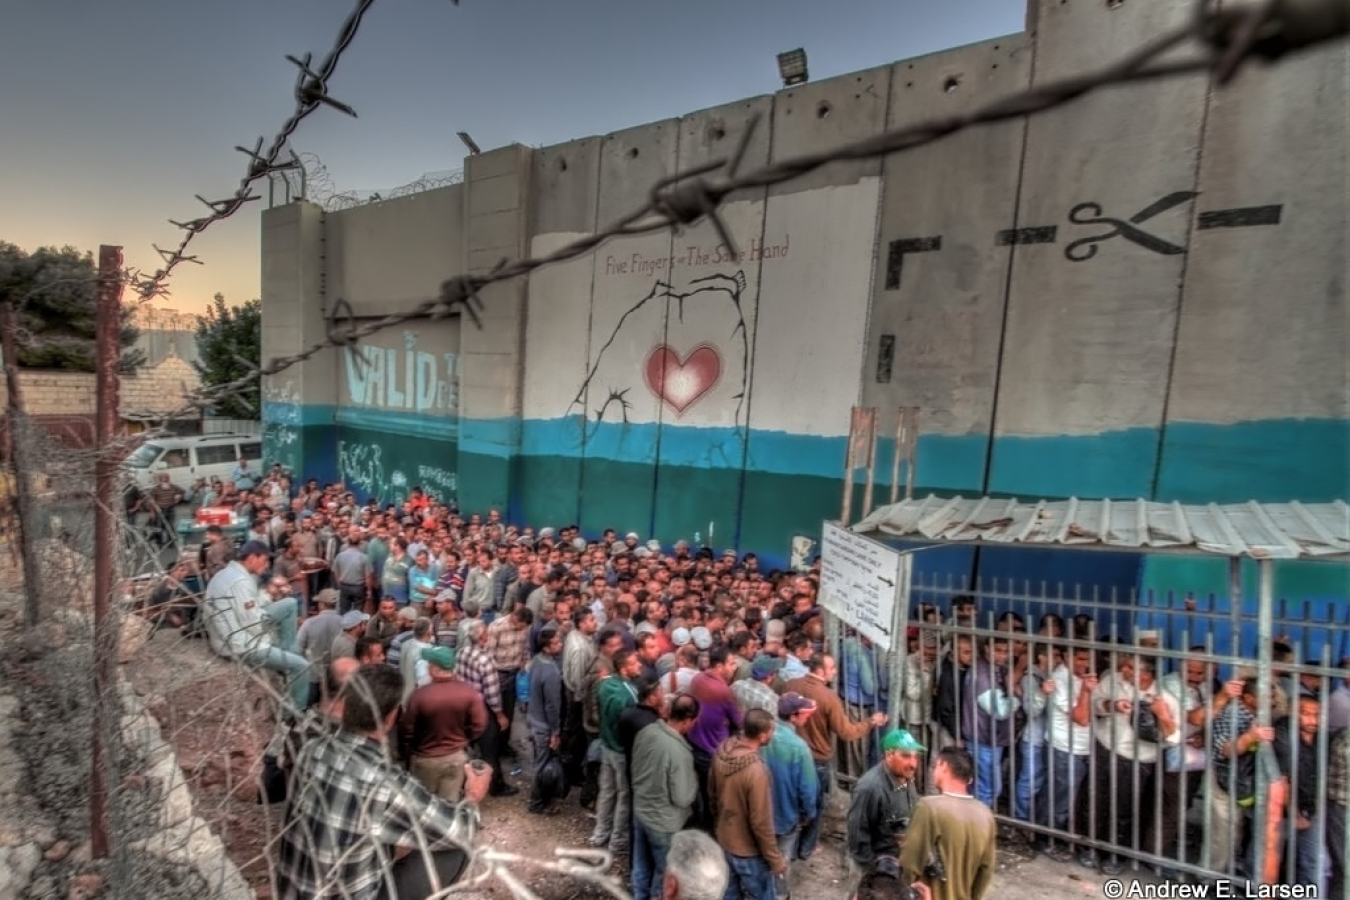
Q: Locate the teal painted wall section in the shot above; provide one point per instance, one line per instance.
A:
(1270, 462)
(1312, 594)
(301, 438)
(1112, 465)
(606, 475)
(487, 458)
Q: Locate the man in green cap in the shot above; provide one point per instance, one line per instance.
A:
(884, 800)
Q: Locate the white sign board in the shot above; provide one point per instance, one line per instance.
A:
(862, 582)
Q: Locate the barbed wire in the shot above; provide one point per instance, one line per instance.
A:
(311, 92)
(1225, 38)
(320, 189)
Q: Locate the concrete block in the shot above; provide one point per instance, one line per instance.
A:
(478, 402)
(630, 161)
(939, 279)
(819, 115)
(493, 163)
(500, 232)
(489, 195)
(1091, 310)
(564, 182)
(1264, 307)
(387, 256)
(714, 134)
(485, 370)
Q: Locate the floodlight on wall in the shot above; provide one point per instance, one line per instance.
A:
(468, 142)
(792, 67)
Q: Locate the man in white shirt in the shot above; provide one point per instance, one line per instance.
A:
(1129, 753)
(1070, 732)
(240, 627)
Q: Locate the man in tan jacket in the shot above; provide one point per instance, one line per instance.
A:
(739, 787)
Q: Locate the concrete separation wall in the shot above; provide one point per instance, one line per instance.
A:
(1139, 294)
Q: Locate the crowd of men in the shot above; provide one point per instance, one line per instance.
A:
(663, 690)
(675, 688)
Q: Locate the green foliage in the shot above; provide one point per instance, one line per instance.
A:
(229, 341)
(53, 292)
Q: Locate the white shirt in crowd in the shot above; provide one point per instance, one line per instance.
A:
(234, 620)
(1065, 736)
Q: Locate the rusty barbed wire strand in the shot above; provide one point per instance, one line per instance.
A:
(1227, 38)
(311, 92)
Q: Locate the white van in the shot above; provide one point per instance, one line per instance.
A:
(186, 459)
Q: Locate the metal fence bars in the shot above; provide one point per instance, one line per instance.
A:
(1141, 731)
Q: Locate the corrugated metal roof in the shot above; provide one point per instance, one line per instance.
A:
(1259, 530)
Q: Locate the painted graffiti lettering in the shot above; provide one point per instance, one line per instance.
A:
(360, 465)
(402, 379)
(692, 256)
(438, 482)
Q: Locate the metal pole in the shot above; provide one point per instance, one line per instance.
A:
(871, 473)
(108, 351)
(895, 458)
(17, 429)
(846, 507)
(912, 441)
(1265, 634)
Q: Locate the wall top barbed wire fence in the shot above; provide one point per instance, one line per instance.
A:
(309, 179)
(1220, 41)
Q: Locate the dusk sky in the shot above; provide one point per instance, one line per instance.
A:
(115, 115)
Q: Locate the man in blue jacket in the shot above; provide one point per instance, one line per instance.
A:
(795, 786)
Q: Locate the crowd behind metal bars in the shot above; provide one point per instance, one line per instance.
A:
(1100, 750)
(1109, 745)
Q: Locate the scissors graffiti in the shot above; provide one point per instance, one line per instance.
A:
(1091, 214)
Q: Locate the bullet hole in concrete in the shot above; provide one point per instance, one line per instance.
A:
(996, 46)
(994, 66)
(1114, 4)
(562, 164)
(823, 110)
(909, 84)
(716, 133)
(951, 84)
(633, 152)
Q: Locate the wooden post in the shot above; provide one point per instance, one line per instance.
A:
(108, 353)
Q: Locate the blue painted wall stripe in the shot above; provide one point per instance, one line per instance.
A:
(1269, 461)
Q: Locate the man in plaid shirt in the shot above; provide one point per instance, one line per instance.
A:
(355, 819)
(476, 667)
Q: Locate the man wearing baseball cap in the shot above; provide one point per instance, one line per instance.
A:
(884, 800)
(795, 787)
(240, 627)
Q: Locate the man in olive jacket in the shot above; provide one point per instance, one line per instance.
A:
(663, 792)
(740, 788)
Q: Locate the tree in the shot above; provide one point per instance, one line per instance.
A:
(229, 341)
(54, 295)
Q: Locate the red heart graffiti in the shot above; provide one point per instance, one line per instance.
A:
(680, 382)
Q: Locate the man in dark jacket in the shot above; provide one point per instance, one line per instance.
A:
(950, 687)
(544, 717)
